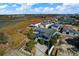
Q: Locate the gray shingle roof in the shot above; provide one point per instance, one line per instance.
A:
(46, 34)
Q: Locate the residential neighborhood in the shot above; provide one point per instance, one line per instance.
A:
(33, 36)
(45, 33)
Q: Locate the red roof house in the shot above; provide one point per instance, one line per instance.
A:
(34, 22)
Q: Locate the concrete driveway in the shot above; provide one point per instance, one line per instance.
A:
(40, 50)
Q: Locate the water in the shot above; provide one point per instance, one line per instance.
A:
(4, 23)
(7, 23)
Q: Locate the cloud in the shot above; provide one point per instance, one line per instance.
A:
(70, 8)
(36, 10)
(42, 10)
(14, 5)
(48, 9)
(60, 8)
(67, 8)
(3, 7)
(25, 6)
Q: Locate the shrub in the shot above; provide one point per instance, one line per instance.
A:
(30, 45)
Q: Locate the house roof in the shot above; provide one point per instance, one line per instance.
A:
(34, 22)
(70, 29)
(46, 23)
(46, 34)
(41, 30)
(56, 25)
(49, 33)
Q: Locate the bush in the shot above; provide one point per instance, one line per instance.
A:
(54, 39)
(41, 41)
(30, 45)
(30, 34)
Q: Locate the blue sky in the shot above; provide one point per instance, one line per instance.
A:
(39, 8)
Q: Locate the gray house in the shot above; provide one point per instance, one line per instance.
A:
(44, 34)
(57, 26)
(69, 30)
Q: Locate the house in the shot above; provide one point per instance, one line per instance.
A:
(69, 30)
(35, 24)
(57, 26)
(67, 20)
(46, 24)
(45, 34)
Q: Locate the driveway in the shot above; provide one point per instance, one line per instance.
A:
(40, 49)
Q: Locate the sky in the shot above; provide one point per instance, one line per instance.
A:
(39, 8)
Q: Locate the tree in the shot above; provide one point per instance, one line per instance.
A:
(41, 41)
(30, 45)
(54, 39)
(30, 34)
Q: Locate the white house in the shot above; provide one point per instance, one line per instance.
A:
(35, 24)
